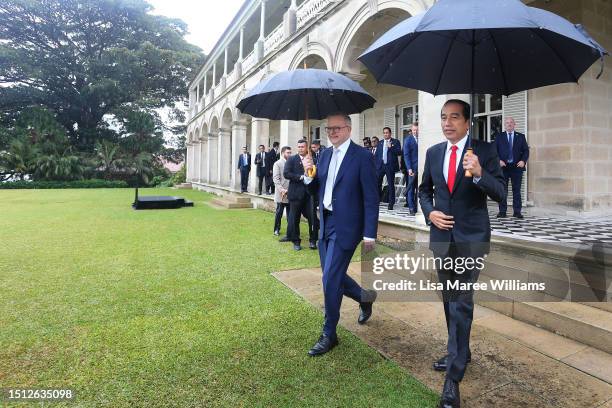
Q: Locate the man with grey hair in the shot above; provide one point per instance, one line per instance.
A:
(513, 153)
(347, 184)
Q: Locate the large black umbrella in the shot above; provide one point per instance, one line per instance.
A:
(482, 46)
(305, 94)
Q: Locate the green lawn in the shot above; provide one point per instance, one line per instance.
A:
(169, 308)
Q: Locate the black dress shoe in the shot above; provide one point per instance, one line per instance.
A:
(313, 245)
(323, 345)
(520, 216)
(297, 247)
(442, 363)
(284, 239)
(413, 213)
(365, 308)
(450, 395)
(501, 215)
(390, 207)
(277, 233)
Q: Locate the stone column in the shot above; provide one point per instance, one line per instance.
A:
(290, 20)
(188, 162)
(356, 129)
(238, 65)
(239, 134)
(290, 132)
(260, 133)
(203, 158)
(208, 158)
(259, 44)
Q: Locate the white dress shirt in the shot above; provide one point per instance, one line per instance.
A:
(460, 147)
(332, 173)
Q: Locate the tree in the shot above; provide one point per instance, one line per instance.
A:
(84, 59)
(107, 154)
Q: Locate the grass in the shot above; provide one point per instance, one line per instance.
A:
(169, 308)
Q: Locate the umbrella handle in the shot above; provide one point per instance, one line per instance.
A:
(312, 172)
(468, 152)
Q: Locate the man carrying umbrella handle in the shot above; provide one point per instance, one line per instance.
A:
(347, 185)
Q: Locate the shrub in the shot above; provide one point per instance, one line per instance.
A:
(93, 183)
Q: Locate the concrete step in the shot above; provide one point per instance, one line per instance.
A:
(231, 204)
(589, 323)
(585, 324)
(184, 186)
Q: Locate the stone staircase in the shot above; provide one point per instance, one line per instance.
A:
(231, 202)
(589, 323)
(184, 186)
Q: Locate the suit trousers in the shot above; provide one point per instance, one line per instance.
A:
(411, 191)
(244, 179)
(459, 313)
(515, 175)
(390, 174)
(278, 215)
(336, 282)
(297, 208)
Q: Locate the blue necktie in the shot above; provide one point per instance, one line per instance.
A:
(510, 157)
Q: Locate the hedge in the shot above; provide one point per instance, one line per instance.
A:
(93, 183)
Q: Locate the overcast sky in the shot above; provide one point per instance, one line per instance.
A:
(206, 19)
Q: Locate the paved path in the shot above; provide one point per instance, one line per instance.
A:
(514, 364)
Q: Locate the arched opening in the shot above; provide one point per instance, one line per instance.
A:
(225, 146)
(204, 159)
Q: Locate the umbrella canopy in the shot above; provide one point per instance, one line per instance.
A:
(482, 46)
(305, 94)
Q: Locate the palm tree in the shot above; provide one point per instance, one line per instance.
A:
(19, 160)
(107, 154)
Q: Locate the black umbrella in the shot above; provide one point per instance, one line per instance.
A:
(305, 94)
(482, 46)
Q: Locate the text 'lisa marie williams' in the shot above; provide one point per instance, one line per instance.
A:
(427, 285)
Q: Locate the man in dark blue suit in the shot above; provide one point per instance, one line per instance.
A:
(411, 158)
(244, 165)
(455, 207)
(348, 210)
(513, 153)
(387, 153)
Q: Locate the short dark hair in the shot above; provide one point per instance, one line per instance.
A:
(387, 127)
(301, 141)
(316, 142)
(464, 106)
(416, 123)
(244, 147)
(375, 137)
(275, 144)
(262, 146)
(285, 148)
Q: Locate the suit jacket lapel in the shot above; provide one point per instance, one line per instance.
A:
(345, 162)
(460, 171)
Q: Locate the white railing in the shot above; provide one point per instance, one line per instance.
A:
(309, 10)
(249, 61)
(273, 39)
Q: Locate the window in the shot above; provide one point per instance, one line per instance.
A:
(488, 117)
(408, 115)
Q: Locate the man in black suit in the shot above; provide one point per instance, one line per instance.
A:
(387, 152)
(271, 157)
(317, 149)
(244, 165)
(275, 151)
(262, 170)
(455, 207)
(513, 153)
(300, 202)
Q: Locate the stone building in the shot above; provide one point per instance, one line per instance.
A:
(568, 126)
